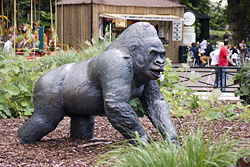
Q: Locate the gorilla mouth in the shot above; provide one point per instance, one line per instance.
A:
(157, 72)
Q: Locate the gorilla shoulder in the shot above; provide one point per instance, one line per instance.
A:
(112, 59)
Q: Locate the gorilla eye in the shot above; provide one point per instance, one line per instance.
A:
(153, 53)
(163, 55)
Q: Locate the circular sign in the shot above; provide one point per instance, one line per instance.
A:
(189, 18)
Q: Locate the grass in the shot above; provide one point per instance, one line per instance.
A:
(196, 151)
(220, 33)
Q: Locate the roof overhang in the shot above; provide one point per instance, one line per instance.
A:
(142, 17)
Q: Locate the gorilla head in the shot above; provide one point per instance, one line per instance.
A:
(141, 42)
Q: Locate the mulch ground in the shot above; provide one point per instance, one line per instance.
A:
(57, 149)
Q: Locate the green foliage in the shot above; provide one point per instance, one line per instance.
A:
(24, 10)
(61, 58)
(201, 6)
(218, 21)
(179, 97)
(245, 114)
(137, 107)
(216, 110)
(18, 76)
(94, 48)
(196, 151)
(243, 78)
(212, 114)
(195, 102)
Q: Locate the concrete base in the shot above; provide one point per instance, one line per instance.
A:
(223, 96)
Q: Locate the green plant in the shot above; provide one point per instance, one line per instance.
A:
(18, 76)
(245, 114)
(179, 97)
(94, 48)
(243, 78)
(196, 151)
(137, 107)
(195, 102)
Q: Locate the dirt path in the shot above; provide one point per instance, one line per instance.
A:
(57, 149)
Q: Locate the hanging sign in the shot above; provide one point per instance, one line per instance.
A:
(121, 23)
(177, 31)
(189, 18)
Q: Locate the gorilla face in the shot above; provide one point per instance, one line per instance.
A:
(150, 59)
(156, 64)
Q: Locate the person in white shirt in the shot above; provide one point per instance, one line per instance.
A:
(203, 44)
(214, 55)
(8, 44)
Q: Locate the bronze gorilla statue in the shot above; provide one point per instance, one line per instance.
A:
(103, 85)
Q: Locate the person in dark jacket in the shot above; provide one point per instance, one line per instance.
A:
(205, 59)
(195, 52)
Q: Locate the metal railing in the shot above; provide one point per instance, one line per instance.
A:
(208, 77)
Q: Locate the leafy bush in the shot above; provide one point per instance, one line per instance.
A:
(18, 76)
(243, 78)
(196, 151)
(180, 98)
(17, 79)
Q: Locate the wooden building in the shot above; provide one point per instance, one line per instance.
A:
(80, 20)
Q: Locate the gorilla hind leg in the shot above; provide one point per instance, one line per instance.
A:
(37, 127)
(82, 127)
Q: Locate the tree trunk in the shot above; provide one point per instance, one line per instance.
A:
(237, 15)
(2, 9)
(51, 13)
(35, 10)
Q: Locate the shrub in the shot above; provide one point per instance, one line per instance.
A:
(243, 78)
(18, 76)
(17, 79)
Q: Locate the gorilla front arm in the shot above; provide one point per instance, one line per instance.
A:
(157, 110)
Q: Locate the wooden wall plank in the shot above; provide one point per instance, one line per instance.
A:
(77, 19)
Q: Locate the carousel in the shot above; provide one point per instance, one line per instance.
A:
(28, 37)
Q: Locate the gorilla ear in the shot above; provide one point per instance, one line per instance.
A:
(133, 48)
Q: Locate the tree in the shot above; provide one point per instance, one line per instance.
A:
(218, 16)
(23, 9)
(201, 6)
(240, 19)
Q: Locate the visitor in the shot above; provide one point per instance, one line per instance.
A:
(224, 58)
(203, 44)
(233, 49)
(194, 50)
(206, 57)
(225, 36)
(28, 36)
(243, 48)
(8, 44)
(214, 55)
(52, 38)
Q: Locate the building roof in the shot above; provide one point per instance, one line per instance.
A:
(139, 3)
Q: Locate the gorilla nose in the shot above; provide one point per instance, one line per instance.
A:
(159, 62)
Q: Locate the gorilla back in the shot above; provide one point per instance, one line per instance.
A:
(103, 85)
